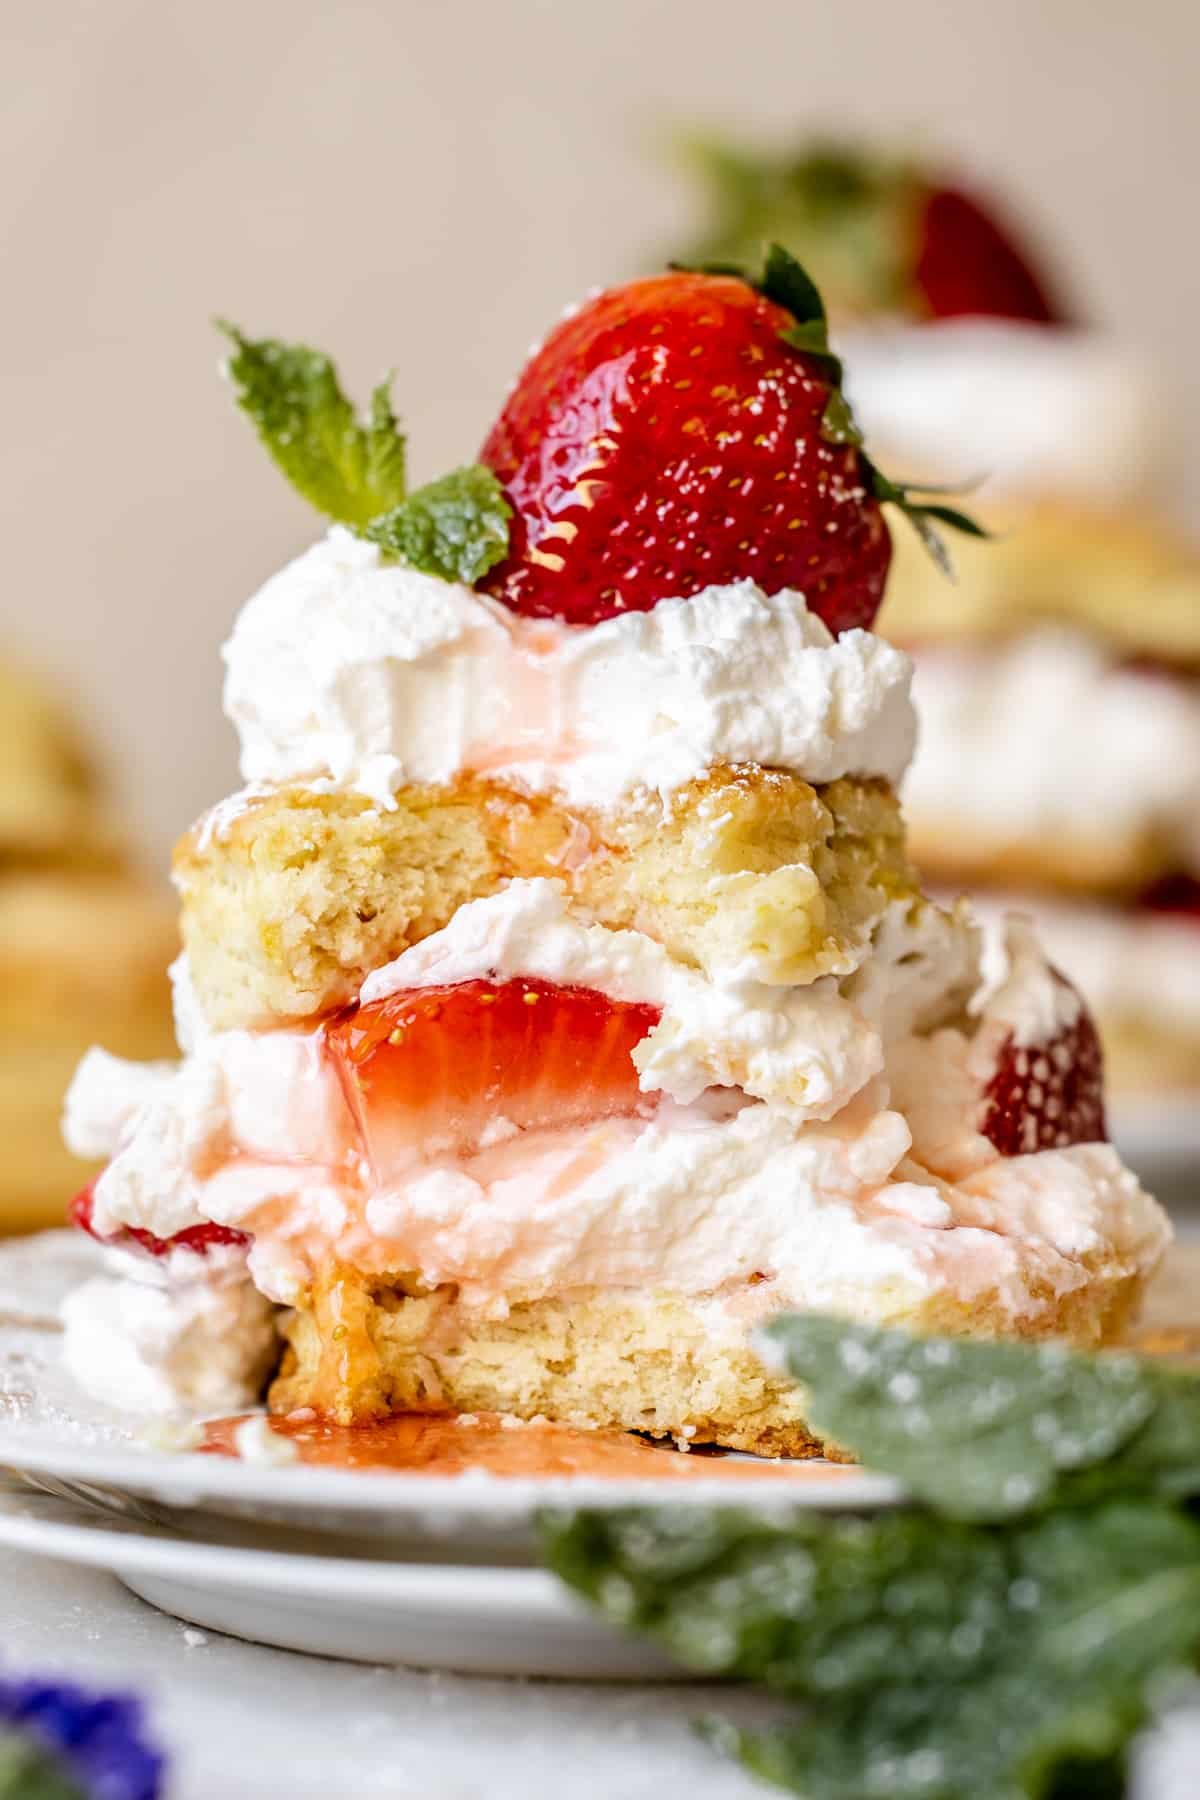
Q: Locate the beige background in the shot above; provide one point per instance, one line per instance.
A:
(425, 185)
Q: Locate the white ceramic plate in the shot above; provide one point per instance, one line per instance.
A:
(52, 1434)
(480, 1621)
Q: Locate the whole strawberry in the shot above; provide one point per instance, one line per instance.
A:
(686, 431)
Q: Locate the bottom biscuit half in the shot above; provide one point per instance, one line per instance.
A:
(668, 1364)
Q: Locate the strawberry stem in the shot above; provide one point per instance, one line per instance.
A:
(786, 282)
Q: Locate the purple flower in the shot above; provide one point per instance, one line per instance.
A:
(95, 1743)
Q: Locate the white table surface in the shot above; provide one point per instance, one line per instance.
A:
(246, 1723)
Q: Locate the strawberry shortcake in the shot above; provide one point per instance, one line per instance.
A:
(559, 1000)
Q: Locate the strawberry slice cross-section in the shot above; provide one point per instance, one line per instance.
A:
(439, 1070)
(200, 1238)
(1048, 1095)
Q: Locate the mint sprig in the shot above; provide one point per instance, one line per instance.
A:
(786, 282)
(353, 469)
(350, 469)
(1001, 1637)
(928, 1660)
(980, 1430)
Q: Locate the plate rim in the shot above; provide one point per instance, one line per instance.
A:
(190, 1480)
(391, 1581)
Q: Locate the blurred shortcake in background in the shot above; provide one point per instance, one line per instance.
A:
(1058, 679)
(84, 944)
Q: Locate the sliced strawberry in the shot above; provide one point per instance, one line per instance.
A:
(1050, 1095)
(197, 1237)
(433, 1068)
(667, 437)
(1178, 895)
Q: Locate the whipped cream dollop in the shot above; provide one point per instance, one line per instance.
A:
(894, 1198)
(365, 674)
(1049, 735)
(154, 1335)
(1020, 408)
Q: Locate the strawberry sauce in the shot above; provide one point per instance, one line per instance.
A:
(459, 1444)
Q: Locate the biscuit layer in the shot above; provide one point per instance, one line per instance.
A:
(292, 899)
(1132, 582)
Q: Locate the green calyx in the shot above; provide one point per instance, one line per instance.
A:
(353, 469)
(786, 282)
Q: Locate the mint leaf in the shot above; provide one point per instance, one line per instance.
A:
(354, 470)
(818, 1605)
(1163, 1458)
(349, 469)
(456, 527)
(932, 1660)
(1101, 1622)
(980, 1430)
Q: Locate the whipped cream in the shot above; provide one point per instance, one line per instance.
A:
(158, 1335)
(1049, 736)
(1021, 996)
(261, 1112)
(1130, 963)
(1022, 409)
(895, 1198)
(365, 675)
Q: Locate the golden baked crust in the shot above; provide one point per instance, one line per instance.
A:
(84, 946)
(1129, 580)
(599, 1357)
(1083, 862)
(49, 806)
(82, 960)
(83, 957)
(292, 899)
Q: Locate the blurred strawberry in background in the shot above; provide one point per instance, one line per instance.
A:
(1059, 762)
(881, 236)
